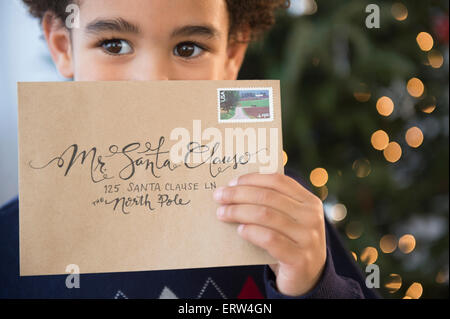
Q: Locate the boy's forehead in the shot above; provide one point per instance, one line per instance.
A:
(157, 16)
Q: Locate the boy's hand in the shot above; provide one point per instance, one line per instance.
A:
(279, 215)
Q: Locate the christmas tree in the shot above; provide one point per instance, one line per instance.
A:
(365, 120)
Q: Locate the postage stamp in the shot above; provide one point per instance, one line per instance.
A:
(245, 105)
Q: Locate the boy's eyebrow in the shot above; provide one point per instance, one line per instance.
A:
(124, 26)
(117, 25)
(202, 30)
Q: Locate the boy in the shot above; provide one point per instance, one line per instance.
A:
(190, 40)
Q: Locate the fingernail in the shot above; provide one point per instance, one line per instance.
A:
(218, 193)
(233, 182)
(221, 211)
(240, 228)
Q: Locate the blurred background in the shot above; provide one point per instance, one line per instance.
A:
(365, 122)
(23, 57)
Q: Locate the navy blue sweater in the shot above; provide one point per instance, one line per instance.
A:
(341, 277)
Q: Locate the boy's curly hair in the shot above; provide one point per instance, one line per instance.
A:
(258, 15)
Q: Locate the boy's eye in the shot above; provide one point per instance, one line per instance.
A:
(187, 50)
(117, 47)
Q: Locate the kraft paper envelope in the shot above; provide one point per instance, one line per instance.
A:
(119, 176)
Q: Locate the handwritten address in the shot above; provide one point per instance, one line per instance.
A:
(135, 158)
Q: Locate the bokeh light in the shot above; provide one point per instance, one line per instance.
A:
(414, 291)
(393, 152)
(299, 8)
(362, 167)
(380, 140)
(442, 277)
(354, 230)
(428, 105)
(399, 11)
(369, 255)
(322, 192)
(339, 212)
(285, 158)
(388, 244)
(385, 106)
(415, 87)
(414, 137)
(425, 41)
(319, 177)
(394, 283)
(362, 93)
(429, 109)
(435, 59)
(407, 243)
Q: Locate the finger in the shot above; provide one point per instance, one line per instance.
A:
(309, 212)
(278, 246)
(266, 217)
(259, 196)
(278, 182)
